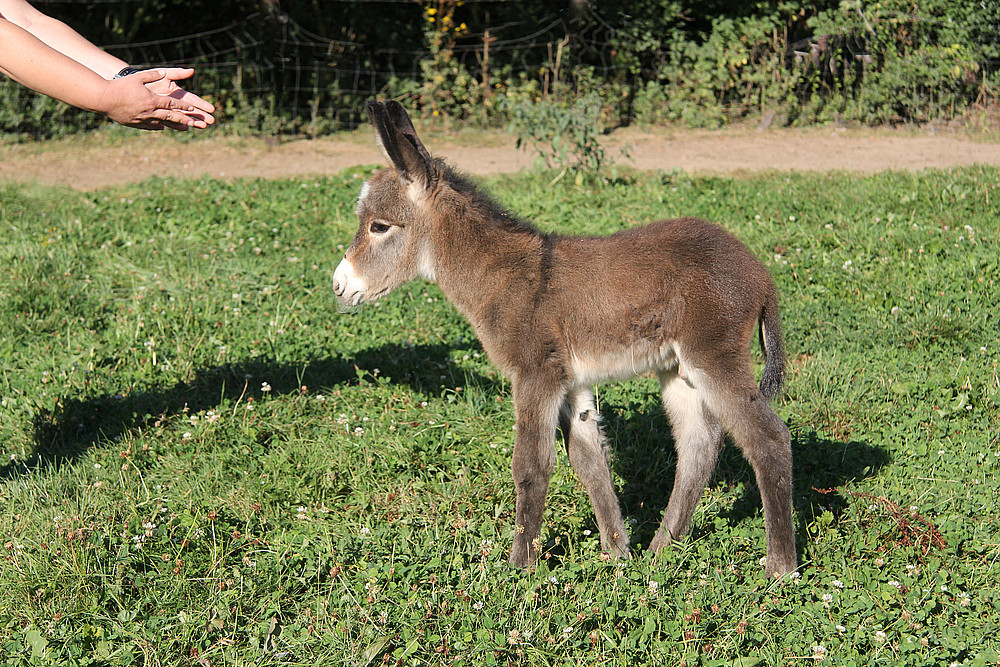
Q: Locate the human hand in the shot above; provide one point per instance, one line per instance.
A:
(167, 85)
(133, 101)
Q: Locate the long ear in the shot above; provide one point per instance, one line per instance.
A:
(399, 118)
(398, 141)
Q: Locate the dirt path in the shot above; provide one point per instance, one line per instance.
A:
(95, 162)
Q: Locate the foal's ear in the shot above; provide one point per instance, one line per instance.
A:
(399, 143)
(401, 120)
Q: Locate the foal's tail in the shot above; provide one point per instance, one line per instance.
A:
(774, 351)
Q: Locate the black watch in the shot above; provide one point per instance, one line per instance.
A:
(125, 72)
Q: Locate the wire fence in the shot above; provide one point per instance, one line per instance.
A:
(319, 83)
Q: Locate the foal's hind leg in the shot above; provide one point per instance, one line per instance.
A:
(585, 442)
(698, 440)
(766, 443)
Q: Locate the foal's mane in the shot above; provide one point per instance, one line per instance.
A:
(493, 212)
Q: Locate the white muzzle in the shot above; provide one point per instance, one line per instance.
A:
(349, 287)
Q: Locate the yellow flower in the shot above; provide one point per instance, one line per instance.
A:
(431, 11)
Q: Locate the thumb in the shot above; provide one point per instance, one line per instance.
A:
(148, 75)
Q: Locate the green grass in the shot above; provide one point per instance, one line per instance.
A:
(205, 463)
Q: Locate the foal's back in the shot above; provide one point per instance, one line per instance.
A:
(683, 283)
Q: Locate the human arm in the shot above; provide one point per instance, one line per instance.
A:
(48, 56)
(60, 37)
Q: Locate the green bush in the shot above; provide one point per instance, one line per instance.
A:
(925, 60)
(564, 136)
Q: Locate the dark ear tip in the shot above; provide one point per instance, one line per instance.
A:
(372, 107)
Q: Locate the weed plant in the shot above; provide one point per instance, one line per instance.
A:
(205, 462)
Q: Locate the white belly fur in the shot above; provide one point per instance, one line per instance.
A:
(622, 363)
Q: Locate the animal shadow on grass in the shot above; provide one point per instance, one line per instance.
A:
(64, 433)
(642, 447)
(643, 456)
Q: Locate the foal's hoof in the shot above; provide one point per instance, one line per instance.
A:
(660, 542)
(779, 570)
(522, 556)
(615, 552)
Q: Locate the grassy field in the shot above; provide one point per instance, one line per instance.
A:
(205, 463)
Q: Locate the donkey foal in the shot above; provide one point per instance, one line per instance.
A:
(678, 298)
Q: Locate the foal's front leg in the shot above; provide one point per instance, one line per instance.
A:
(536, 404)
(581, 427)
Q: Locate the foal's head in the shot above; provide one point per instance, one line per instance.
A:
(391, 245)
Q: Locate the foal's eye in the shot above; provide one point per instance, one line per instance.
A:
(378, 228)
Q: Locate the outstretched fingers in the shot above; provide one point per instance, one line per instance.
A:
(151, 100)
(166, 84)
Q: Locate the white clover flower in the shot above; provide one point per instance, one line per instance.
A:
(265, 387)
(837, 583)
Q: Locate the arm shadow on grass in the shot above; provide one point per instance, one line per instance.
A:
(644, 458)
(67, 431)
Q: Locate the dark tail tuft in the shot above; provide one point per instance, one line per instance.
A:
(773, 378)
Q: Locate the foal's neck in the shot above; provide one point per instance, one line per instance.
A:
(482, 253)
